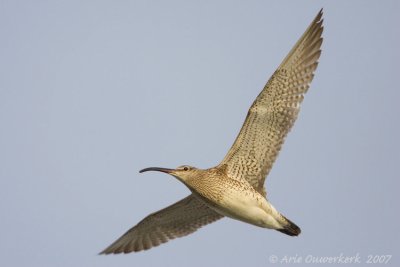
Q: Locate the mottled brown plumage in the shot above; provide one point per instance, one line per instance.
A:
(235, 188)
(274, 111)
(180, 219)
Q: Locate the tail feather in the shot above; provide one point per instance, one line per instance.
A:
(290, 228)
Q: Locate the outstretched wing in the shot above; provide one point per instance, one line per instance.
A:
(180, 219)
(275, 110)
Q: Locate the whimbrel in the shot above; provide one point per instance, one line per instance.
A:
(235, 187)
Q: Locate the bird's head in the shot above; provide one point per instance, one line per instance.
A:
(182, 173)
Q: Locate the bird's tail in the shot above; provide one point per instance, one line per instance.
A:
(289, 227)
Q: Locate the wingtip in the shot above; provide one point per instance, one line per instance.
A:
(107, 252)
(319, 18)
(104, 252)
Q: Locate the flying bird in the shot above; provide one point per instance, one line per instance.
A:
(235, 187)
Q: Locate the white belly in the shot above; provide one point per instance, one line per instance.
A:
(248, 207)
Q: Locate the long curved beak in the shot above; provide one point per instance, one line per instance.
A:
(166, 170)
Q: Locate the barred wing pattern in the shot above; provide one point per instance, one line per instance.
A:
(180, 219)
(274, 111)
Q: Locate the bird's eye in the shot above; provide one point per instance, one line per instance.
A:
(185, 168)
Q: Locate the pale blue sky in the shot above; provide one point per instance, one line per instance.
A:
(93, 91)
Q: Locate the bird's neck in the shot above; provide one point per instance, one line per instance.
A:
(207, 184)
